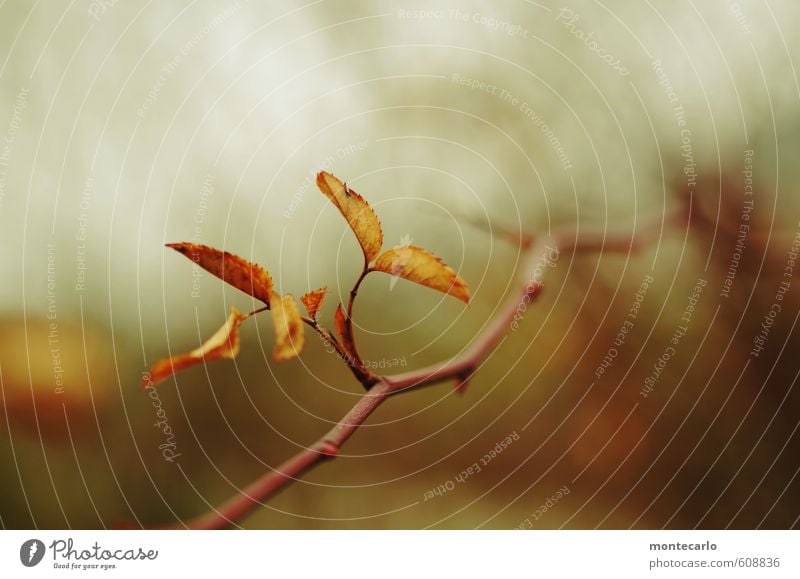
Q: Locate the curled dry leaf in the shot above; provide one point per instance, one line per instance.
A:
(288, 327)
(345, 334)
(356, 210)
(415, 264)
(248, 277)
(223, 344)
(313, 301)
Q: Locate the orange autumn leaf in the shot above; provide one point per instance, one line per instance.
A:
(248, 277)
(223, 344)
(288, 327)
(313, 301)
(345, 333)
(356, 211)
(417, 265)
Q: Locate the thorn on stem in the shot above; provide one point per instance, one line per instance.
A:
(526, 241)
(533, 288)
(329, 449)
(462, 381)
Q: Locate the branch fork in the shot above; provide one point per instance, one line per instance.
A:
(406, 262)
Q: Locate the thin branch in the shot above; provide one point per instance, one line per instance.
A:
(348, 319)
(459, 369)
(361, 373)
(250, 498)
(354, 291)
(328, 446)
(462, 367)
(517, 238)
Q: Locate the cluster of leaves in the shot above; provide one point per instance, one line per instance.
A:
(407, 262)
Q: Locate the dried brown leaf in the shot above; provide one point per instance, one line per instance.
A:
(356, 211)
(313, 301)
(288, 327)
(248, 277)
(418, 265)
(223, 344)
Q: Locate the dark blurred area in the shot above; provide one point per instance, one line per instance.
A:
(649, 389)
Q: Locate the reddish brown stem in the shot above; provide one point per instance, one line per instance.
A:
(458, 369)
(328, 446)
(349, 315)
(363, 375)
(463, 366)
(240, 505)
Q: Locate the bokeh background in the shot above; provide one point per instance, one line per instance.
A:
(127, 125)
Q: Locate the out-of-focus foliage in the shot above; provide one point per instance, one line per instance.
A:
(126, 127)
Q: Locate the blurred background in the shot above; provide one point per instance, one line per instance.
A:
(644, 390)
